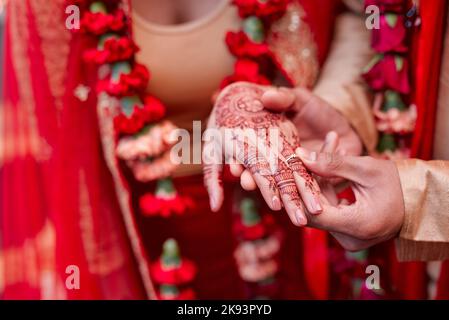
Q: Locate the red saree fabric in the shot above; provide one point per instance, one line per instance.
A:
(428, 52)
(58, 206)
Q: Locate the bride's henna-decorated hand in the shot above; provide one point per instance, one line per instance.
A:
(264, 143)
(330, 146)
(314, 118)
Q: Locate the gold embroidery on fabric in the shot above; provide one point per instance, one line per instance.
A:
(33, 263)
(55, 39)
(19, 142)
(21, 136)
(295, 50)
(101, 247)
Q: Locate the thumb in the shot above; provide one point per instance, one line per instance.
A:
(278, 99)
(332, 165)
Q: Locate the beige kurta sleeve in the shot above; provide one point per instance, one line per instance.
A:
(340, 83)
(425, 233)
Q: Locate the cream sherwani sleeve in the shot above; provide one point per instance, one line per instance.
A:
(425, 232)
(425, 185)
(340, 83)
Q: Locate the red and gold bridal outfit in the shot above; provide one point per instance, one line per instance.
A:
(59, 158)
(66, 199)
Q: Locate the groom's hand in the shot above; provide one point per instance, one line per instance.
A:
(313, 118)
(378, 212)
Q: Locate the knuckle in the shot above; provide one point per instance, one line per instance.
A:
(352, 247)
(332, 162)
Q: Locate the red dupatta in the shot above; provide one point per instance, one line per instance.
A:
(58, 206)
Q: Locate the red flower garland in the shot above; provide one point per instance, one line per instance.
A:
(109, 24)
(253, 55)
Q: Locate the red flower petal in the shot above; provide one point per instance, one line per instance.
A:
(241, 46)
(152, 205)
(386, 75)
(183, 274)
(389, 38)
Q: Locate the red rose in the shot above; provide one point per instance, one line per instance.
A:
(389, 72)
(118, 21)
(138, 79)
(182, 274)
(246, 70)
(120, 49)
(154, 206)
(241, 46)
(114, 50)
(99, 23)
(392, 34)
(251, 233)
(128, 84)
(152, 111)
(128, 125)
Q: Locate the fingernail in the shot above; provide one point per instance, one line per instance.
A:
(317, 206)
(276, 203)
(306, 155)
(329, 137)
(300, 218)
(213, 203)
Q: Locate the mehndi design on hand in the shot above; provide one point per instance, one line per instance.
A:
(264, 143)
